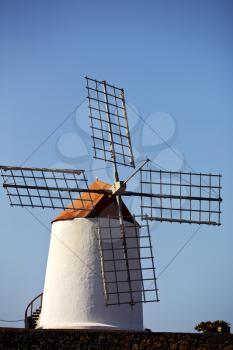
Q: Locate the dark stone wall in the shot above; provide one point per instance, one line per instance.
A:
(24, 339)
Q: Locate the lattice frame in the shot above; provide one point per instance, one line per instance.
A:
(180, 197)
(126, 279)
(109, 123)
(46, 188)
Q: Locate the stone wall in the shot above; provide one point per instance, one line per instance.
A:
(22, 339)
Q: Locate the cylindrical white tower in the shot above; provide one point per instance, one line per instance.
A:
(74, 292)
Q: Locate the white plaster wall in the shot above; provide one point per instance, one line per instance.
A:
(73, 290)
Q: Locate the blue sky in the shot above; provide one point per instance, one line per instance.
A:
(174, 60)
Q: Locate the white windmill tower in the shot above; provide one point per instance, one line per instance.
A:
(100, 266)
(73, 291)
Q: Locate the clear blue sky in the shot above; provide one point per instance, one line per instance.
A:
(174, 59)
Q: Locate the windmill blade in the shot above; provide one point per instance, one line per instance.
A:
(109, 123)
(127, 279)
(180, 197)
(46, 188)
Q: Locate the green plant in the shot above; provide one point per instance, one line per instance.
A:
(219, 326)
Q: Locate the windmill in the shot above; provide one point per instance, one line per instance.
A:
(100, 266)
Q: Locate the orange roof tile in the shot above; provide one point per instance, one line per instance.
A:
(100, 202)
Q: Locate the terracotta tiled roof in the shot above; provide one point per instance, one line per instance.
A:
(102, 203)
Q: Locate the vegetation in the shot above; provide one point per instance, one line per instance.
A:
(219, 326)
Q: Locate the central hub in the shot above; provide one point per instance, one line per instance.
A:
(118, 187)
